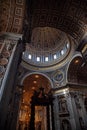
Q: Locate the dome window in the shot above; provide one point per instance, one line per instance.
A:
(38, 58)
(67, 45)
(46, 58)
(55, 56)
(29, 56)
(62, 52)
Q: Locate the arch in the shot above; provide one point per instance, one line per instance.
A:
(73, 67)
(28, 74)
(77, 54)
(67, 68)
(36, 86)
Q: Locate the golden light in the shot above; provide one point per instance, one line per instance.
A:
(36, 76)
(23, 101)
(76, 61)
(35, 82)
(29, 115)
(24, 91)
(33, 88)
(25, 106)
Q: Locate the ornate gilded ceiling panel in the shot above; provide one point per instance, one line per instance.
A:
(12, 14)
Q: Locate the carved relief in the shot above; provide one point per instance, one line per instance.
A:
(62, 104)
(85, 103)
(65, 125)
(77, 101)
(6, 48)
(20, 2)
(82, 123)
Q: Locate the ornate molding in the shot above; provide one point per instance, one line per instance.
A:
(12, 14)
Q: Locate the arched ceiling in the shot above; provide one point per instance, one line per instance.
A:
(69, 16)
(47, 39)
(33, 83)
(77, 72)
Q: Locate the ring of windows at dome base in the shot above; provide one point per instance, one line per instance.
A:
(42, 59)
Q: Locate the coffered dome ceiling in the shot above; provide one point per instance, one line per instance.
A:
(47, 39)
(48, 46)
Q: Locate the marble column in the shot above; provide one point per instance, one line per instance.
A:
(48, 118)
(12, 120)
(52, 116)
(83, 111)
(74, 118)
(10, 84)
(56, 113)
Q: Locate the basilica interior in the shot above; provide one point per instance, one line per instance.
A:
(43, 64)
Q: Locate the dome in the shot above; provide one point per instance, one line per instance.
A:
(48, 46)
